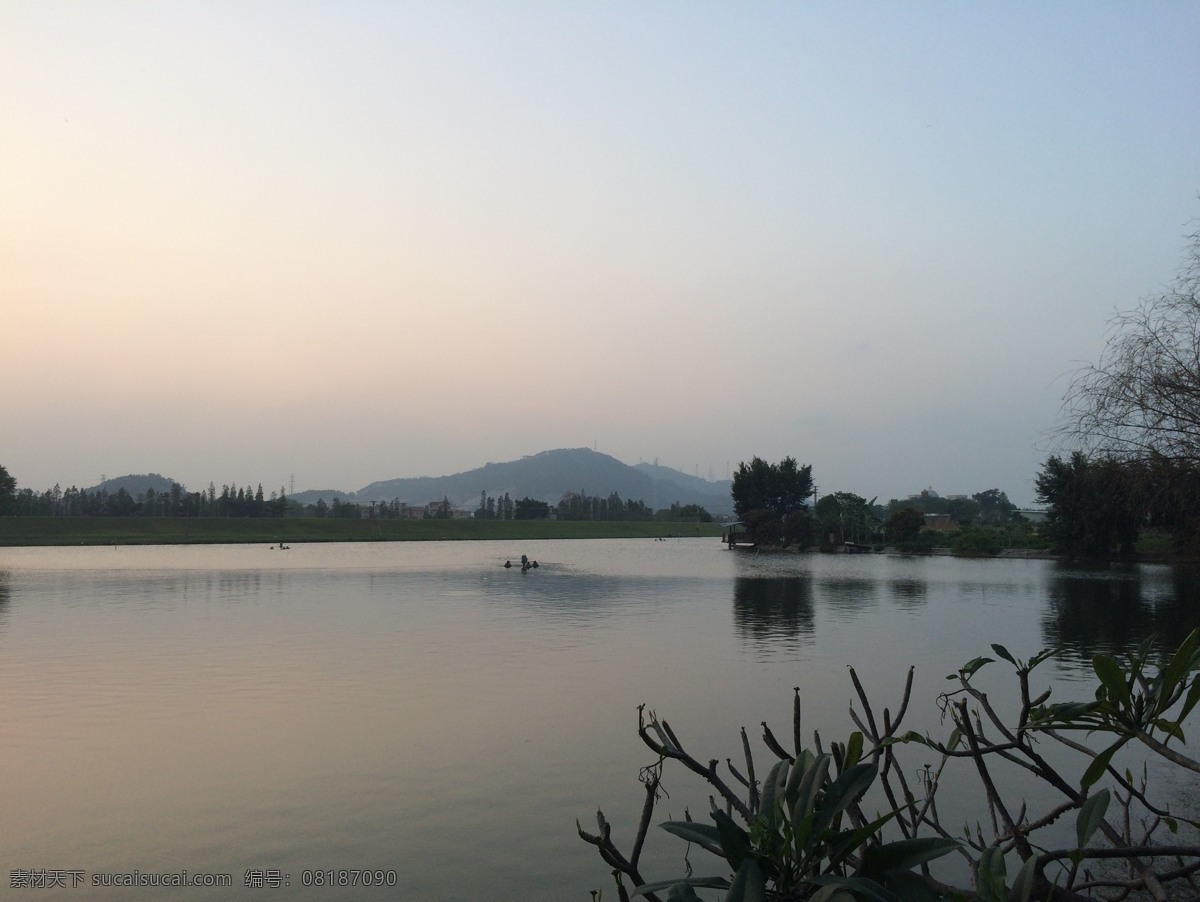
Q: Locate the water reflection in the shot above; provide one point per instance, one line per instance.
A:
(849, 593)
(1110, 611)
(769, 609)
(909, 593)
(5, 595)
(244, 709)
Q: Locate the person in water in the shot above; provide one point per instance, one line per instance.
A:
(526, 563)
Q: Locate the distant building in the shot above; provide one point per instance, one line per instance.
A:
(941, 523)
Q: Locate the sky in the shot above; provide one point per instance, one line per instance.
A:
(315, 245)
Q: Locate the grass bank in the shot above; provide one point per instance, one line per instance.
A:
(221, 530)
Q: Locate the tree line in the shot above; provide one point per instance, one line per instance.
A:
(1129, 464)
(581, 506)
(1100, 506)
(1128, 467)
(772, 504)
(231, 501)
(242, 501)
(1130, 432)
(372, 510)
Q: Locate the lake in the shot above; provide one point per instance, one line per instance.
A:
(417, 711)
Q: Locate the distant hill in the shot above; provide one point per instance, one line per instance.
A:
(654, 471)
(134, 484)
(311, 496)
(546, 477)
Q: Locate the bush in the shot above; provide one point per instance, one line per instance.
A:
(977, 542)
(803, 833)
(922, 543)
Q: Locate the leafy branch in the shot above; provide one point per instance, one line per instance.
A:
(804, 831)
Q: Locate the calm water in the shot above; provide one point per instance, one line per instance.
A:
(418, 708)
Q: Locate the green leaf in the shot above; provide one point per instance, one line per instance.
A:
(682, 892)
(1178, 667)
(749, 884)
(972, 667)
(904, 854)
(768, 811)
(1044, 654)
(1003, 652)
(1113, 678)
(806, 798)
(1022, 888)
(991, 876)
(802, 833)
(1193, 697)
(735, 842)
(860, 887)
(1068, 716)
(703, 835)
(846, 842)
(804, 762)
(843, 792)
(1091, 813)
(854, 748)
(703, 882)
(1171, 728)
(1100, 763)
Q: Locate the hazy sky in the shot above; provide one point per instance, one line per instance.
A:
(358, 241)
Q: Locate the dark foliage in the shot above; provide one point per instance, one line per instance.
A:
(771, 500)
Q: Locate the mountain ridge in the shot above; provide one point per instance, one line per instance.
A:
(134, 483)
(545, 476)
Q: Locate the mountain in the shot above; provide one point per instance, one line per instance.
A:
(666, 474)
(547, 477)
(311, 496)
(135, 484)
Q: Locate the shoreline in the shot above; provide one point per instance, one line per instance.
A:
(24, 532)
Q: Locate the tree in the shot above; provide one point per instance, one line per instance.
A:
(531, 509)
(1095, 506)
(771, 500)
(686, 513)
(8, 492)
(994, 507)
(959, 509)
(1142, 397)
(904, 525)
(1171, 489)
(845, 517)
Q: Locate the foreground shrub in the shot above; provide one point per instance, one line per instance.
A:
(803, 832)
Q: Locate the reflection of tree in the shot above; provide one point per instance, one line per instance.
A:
(768, 609)
(909, 593)
(1111, 611)
(848, 592)
(5, 594)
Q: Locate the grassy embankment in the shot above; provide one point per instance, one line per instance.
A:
(212, 530)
